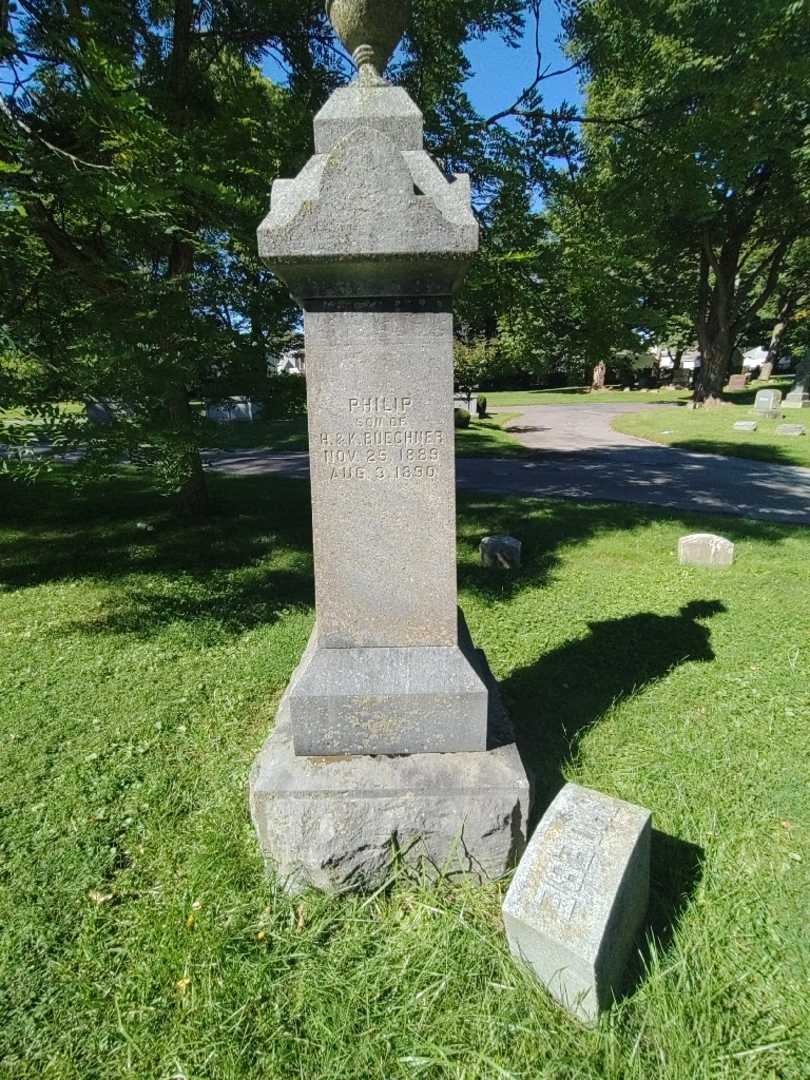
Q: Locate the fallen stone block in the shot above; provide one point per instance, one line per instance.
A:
(579, 897)
(705, 549)
(503, 552)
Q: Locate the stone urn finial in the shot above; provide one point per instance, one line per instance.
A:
(370, 30)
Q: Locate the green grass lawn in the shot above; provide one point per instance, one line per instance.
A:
(139, 673)
(483, 438)
(487, 438)
(581, 395)
(711, 431)
(277, 435)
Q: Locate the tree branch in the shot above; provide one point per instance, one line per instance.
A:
(776, 259)
(18, 122)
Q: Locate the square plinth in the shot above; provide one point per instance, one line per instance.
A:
(390, 700)
(340, 823)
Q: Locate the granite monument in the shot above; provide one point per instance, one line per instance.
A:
(391, 733)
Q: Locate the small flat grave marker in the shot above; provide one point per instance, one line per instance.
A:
(705, 549)
(501, 552)
(579, 897)
(746, 425)
(791, 429)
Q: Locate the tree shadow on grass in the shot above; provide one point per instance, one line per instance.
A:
(750, 451)
(545, 527)
(555, 700)
(252, 560)
(248, 564)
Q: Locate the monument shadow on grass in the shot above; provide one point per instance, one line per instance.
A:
(555, 700)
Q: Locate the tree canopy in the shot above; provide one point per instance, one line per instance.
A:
(696, 143)
(139, 142)
(138, 146)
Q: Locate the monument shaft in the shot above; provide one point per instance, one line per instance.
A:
(383, 473)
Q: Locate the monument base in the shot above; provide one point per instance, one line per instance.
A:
(796, 403)
(341, 823)
(372, 701)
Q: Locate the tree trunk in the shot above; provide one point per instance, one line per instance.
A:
(715, 320)
(192, 492)
(787, 308)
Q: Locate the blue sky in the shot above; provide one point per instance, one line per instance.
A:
(501, 73)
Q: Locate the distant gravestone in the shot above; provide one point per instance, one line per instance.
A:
(233, 410)
(737, 382)
(99, 412)
(501, 552)
(791, 429)
(768, 404)
(705, 549)
(766, 371)
(579, 897)
(746, 425)
(799, 396)
(107, 412)
(681, 379)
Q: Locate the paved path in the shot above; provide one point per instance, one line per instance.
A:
(574, 428)
(579, 456)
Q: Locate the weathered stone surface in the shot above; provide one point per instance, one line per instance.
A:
(579, 897)
(372, 239)
(705, 549)
(337, 823)
(389, 700)
(388, 109)
(791, 429)
(768, 403)
(502, 552)
(799, 395)
(382, 462)
(107, 412)
(368, 219)
(746, 425)
(233, 410)
(766, 371)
